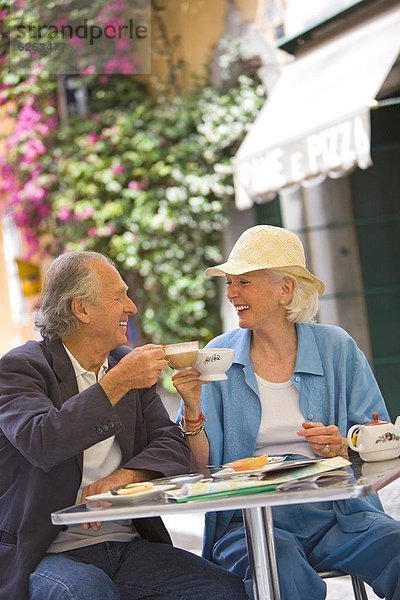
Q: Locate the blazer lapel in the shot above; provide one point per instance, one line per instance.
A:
(63, 369)
(65, 373)
(127, 412)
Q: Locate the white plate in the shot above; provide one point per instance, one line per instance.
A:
(273, 465)
(128, 498)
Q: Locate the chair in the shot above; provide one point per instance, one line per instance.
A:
(359, 590)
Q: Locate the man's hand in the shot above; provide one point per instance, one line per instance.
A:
(143, 366)
(115, 479)
(324, 440)
(139, 369)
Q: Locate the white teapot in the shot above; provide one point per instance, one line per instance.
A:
(376, 440)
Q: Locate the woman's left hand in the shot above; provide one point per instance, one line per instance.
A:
(324, 440)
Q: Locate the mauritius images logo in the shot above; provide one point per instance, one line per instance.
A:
(82, 37)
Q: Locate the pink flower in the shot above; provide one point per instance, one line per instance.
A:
(44, 210)
(134, 185)
(37, 67)
(33, 149)
(110, 229)
(21, 219)
(123, 45)
(111, 66)
(29, 115)
(64, 214)
(118, 169)
(32, 243)
(52, 122)
(60, 20)
(43, 129)
(33, 192)
(119, 65)
(111, 20)
(77, 42)
(93, 137)
(127, 66)
(104, 231)
(89, 70)
(6, 185)
(86, 213)
(8, 178)
(118, 6)
(35, 172)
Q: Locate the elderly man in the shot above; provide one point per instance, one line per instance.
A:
(79, 415)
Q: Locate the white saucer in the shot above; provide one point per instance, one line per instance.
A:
(129, 498)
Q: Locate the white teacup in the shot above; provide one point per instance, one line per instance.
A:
(180, 356)
(213, 363)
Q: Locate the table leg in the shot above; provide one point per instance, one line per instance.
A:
(259, 530)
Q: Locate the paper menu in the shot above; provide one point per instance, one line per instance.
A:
(215, 489)
(204, 488)
(212, 487)
(328, 464)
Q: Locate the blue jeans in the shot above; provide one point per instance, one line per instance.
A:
(135, 570)
(308, 539)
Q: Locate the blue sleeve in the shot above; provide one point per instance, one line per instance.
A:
(364, 395)
(211, 400)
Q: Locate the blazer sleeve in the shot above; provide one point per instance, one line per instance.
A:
(33, 416)
(159, 444)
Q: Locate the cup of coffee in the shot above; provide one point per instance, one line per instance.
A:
(213, 363)
(180, 356)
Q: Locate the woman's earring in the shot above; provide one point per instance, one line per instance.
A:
(282, 302)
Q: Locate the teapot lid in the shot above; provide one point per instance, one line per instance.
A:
(376, 420)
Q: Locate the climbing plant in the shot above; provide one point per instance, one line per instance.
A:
(145, 178)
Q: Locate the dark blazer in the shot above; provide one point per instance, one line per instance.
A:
(45, 425)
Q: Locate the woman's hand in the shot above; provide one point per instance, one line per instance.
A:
(186, 382)
(324, 440)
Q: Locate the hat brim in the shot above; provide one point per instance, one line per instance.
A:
(231, 268)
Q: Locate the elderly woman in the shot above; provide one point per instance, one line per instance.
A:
(294, 387)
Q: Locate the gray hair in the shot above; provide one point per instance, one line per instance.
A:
(69, 276)
(304, 305)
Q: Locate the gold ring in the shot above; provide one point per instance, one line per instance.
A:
(325, 448)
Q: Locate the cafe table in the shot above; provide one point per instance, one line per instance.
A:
(365, 479)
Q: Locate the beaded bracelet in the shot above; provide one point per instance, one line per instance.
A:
(194, 432)
(199, 419)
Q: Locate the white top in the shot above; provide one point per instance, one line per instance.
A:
(281, 419)
(98, 461)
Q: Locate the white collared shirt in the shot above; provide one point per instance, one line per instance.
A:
(105, 457)
(98, 461)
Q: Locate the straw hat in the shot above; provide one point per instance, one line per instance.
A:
(267, 247)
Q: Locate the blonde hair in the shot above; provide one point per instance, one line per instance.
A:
(304, 304)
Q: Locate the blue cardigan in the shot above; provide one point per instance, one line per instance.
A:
(335, 384)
